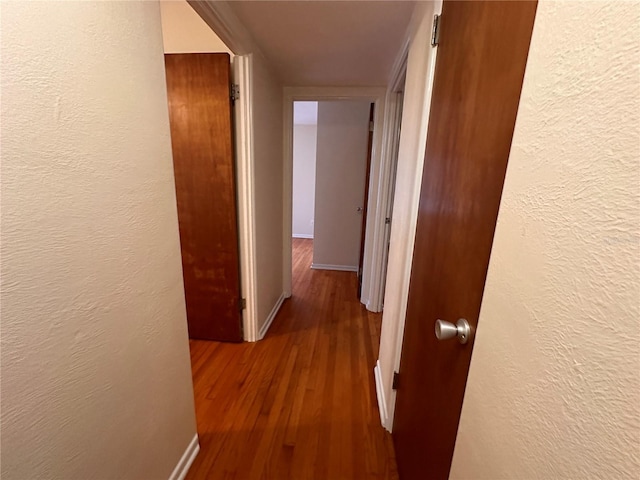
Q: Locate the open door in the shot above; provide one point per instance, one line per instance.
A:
(365, 201)
(198, 89)
(483, 48)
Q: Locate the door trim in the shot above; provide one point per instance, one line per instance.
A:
(382, 403)
(227, 26)
(243, 110)
(371, 94)
(373, 279)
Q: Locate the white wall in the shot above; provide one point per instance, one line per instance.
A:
(96, 377)
(304, 179)
(268, 178)
(413, 138)
(341, 162)
(183, 30)
(554, 385)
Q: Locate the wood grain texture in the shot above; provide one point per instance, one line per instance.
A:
(204, 169)
(301, 403)
(478, 78)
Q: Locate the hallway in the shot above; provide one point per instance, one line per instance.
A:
(301, 403)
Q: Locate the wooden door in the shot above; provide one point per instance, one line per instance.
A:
(480, 66)
(198, 88)
(365, 201)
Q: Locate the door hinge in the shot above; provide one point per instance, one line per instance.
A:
(396, 380)
(243, 304)
(435, 31)
(387, 220)
(370, 126)
(235, 92)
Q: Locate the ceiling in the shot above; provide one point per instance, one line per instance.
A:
(328, 43)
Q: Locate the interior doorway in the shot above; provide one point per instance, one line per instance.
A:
(186, 33)
(198, 77)
(331, 162)
(396, 102)
(305, 136)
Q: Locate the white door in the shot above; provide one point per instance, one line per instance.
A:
(342, 141)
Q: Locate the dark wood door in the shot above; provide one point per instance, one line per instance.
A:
(201, 136)
(479, 71)
(365, 201)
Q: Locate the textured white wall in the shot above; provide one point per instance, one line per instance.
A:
(269, 218)
(96, 379)
(183, 31)
(304, 179)
(413, 138)
(554, 385)
(341, 164)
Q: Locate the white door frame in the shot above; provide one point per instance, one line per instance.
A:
(375, 95)
(245, 172)
(373, 281)
(383, 156)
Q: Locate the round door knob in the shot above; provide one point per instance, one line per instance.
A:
(446, 330)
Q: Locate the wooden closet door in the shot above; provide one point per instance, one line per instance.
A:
(198, 88)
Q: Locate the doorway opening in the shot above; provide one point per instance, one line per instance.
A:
(331, 163)
(199, 78)
(305, 136)
(395, 102)
(342, 136)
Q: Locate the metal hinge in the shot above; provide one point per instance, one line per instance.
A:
(387, 220)
(235, 92)
(371, 126)
(243, 304)
(396, 379)
(435, 31)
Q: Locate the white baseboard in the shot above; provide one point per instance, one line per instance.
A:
(272, 315)
(187, 459)
(382, 404)
(341, 268)
(302, 235)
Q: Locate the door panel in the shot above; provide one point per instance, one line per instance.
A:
(365, 201)
(341, 156)
(479, 71)
(201, 136)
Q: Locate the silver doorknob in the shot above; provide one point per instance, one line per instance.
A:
(447, 330)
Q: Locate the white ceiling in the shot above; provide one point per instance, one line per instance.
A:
(328, 43)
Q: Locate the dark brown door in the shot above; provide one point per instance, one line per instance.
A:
(479, 70)
(201, 136)
(365, 202)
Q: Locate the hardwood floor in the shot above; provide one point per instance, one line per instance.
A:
(301, 403)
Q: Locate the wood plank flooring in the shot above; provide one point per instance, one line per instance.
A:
(301, 403)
